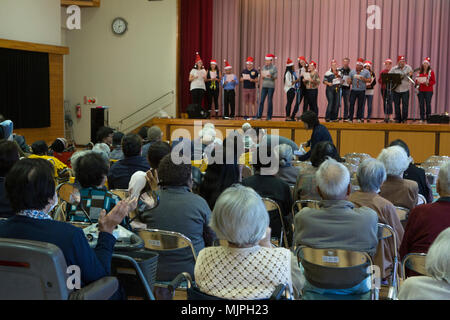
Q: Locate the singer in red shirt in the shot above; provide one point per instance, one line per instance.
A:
(425, 89)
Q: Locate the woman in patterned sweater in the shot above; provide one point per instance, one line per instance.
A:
(248, 268)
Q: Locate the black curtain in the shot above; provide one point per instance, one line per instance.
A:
(25, 88)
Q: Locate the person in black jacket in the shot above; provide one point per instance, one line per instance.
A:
(320, 132)
(416, 174)
(9, 155)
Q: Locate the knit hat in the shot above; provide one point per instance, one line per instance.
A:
(250, 60)
(7, 128)
(270, 57)
(227, 65)
(401, 58)
(289, 63)
(427, 60)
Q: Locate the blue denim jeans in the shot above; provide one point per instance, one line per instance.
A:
(369, 99)
(264, 93)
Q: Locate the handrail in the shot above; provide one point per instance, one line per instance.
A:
(146, 106)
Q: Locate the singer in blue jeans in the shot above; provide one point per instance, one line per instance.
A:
(264, 93)
(269, 74)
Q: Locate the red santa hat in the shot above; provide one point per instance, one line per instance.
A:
(213, 62)
(388, 60)
(227, 65)
(270, 57)
(313, 63)
(401, 58)
(427, 60)
(360, 61)
(367, 63)
(302, 58)
(197, 58)
(250, 60)
(289, 63)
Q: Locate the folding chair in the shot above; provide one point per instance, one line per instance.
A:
(414, 262)
(33, 270)
(67, 194)
(300, 204)
(162, 240)
(403, 214)
(421, 200)
(281, 291)
(246, 172)
(336, 262)
(385, 232)
(136, 281)
(272, 205)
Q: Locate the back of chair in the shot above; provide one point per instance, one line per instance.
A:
(335, 262)
(161, 240)
(32, 270)
(68, 193)
(246, 172)
(402, 213)
(300, 204)
(272, 205)
(414, 262)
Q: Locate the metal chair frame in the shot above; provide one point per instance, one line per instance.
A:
(272, 205)
(387, 232)
(335, 258)
(416, 263)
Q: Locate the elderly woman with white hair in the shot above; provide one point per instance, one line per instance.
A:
(249, 267)
(401, 192)
(286, 171)
(435, 286)
(371, 175)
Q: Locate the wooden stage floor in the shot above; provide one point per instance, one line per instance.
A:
(424, 140)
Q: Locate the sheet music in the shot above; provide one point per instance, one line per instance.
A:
(213, 74)
(229, 77)
(246, 76)
(307, 76)
(336, 81)
(421, 79)
(265, 73)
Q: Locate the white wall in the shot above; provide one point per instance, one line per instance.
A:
(123, 72)
(31, 20)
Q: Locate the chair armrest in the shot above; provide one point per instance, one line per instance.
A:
(278, 292)
(102, 289)
(175, 283)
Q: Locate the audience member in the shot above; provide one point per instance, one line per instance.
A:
(416, 174)
(103, 149)
(436, 286)
(143, 133)
(120, 173)
(336, 225)
(9, 155)
(287, 172)
(427, 221)
(371, 175)
(249, 267)
(267, 185)
(156, 152)
(221, 174)
(305, 187)
(105, 135)
(179, 210)
(59, 150)
(90, 173)
(154, 134)
(319, 132)
(117, 153)
(401, 192)
(31, 192)
(40, 150)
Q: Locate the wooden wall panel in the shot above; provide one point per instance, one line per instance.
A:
(56, 129)
(361, 141)
(444, 144)
(421, 144)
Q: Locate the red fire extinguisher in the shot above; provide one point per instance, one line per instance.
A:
(78, 107)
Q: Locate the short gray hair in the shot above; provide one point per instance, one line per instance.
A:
(333, 178)
(395, 160)
(240, 216)
(285, 154)
(371, 174)
(444, 178)
(154, 133)
(103, 149)
(438, 257)
(76, 156)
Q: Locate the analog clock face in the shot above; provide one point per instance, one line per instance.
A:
(119, 26)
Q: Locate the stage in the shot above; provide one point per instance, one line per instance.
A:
(424, 140)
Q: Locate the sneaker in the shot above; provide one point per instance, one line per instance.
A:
(359, 120)
(268, 119)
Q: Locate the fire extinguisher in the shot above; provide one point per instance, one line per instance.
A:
(78, 107)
